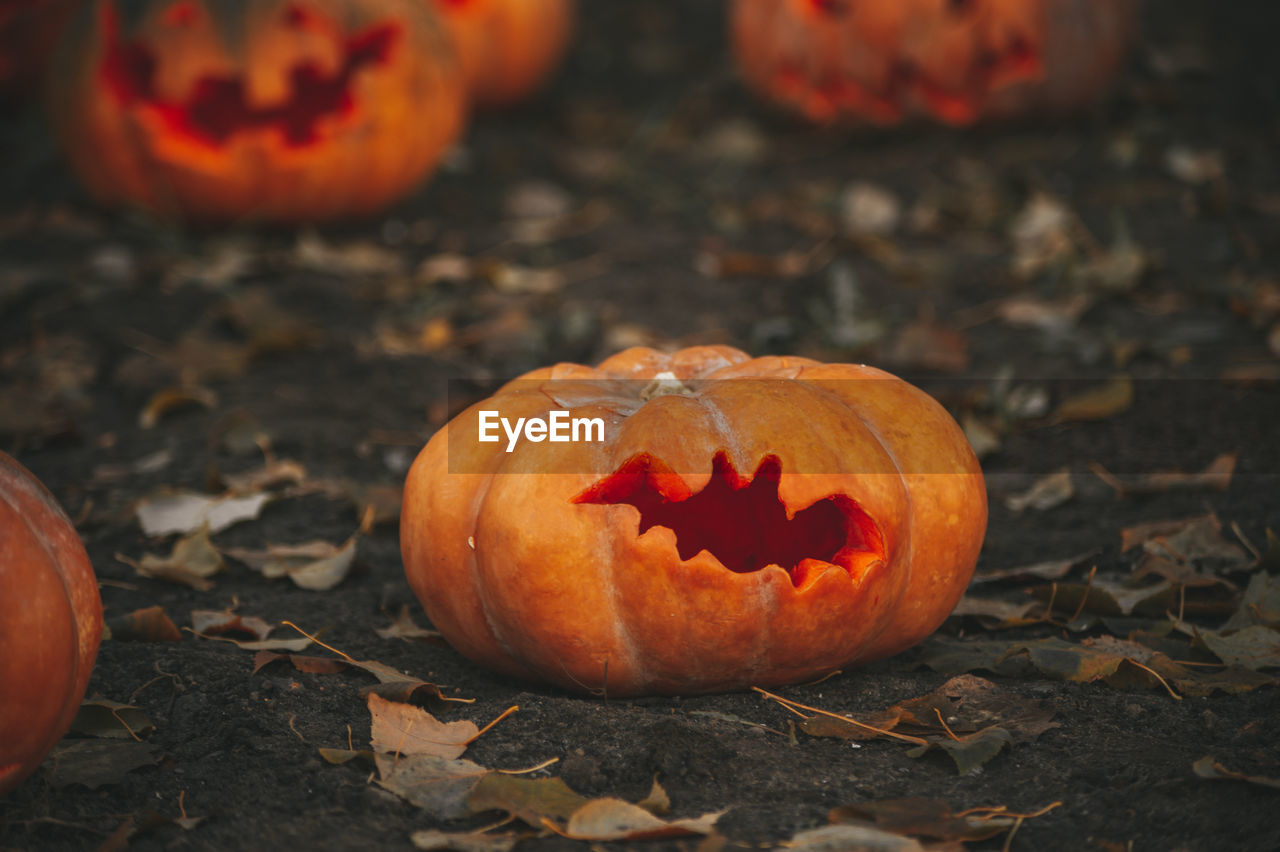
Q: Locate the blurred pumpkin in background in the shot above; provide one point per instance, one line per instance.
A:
(953, 61)
(508, 48)
(740, 522)
(277, 110)
(50, 622)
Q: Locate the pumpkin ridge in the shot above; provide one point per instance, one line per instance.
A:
(833, 530)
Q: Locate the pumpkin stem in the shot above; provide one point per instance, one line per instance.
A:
(665, 384)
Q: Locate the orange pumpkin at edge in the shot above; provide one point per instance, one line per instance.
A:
(50, 622)
(753, 522)
(279, 110)
(508, 48)
(884, 61)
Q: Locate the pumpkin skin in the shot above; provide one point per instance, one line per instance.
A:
(883, 61)
(50, 622)
(276, 110)
(847, 505)
(508, 48)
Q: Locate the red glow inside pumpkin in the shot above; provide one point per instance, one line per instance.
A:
(740, 520)
(954, 99)
(217, 107)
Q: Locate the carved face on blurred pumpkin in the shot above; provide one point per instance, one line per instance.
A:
(299, 110)
(954, 61)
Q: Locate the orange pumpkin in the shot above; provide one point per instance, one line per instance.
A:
(508, 47)
(282, 110)
(954, 61)
(50, 622)
(743, 522)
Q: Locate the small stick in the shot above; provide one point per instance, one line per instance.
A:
(884, 733)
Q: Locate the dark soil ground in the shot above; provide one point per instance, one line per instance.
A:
(658, 170)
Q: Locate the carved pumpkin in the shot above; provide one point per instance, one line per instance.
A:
(953, 61)
(507, 47)
(743, 522)
(284, 110)
(50, 622)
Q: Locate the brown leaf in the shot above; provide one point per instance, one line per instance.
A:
(1100, 402)
(1198, 539)
(96, 763)
(101, 717)
(205, 622)
(165, 401)
(185, 512)
(613, 819)
(530, 799)
(301, 662)
(192, 562)
(1207, 767)
(851, 838)
(1044, 494)
(921, 817)
(468, 841)
(1260, 604)
(144, 625)
(1255, 647)
(405, 628)
(995, 614)
(438, 786)
(405, 729)
(1052, 570)
(313, 565)
(1217, 476)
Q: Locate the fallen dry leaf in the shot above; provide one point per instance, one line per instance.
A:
(186, 512)
(1260, 604)
(96, 763)
(437, 785)
(101, 717)
(851, 838)
(1254, 647)
(165, 401)
(313, 565)
(922, 817)
(1217, 477)
(614, 819)
(404, 627)
(406, 730)
(1100, 402)
(1208, 767)
(211, 622)
(1054, 569)
(151, 624)
(192, 562)
(467, 841)
(1045, 493)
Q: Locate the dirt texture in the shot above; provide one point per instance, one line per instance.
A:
(1096, 299)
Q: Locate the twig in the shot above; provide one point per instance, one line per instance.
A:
(791, 705)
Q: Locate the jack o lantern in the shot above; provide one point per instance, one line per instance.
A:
(881, 61)
(740, 522)
(50, 622)
(507, 47)
(279, 110)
